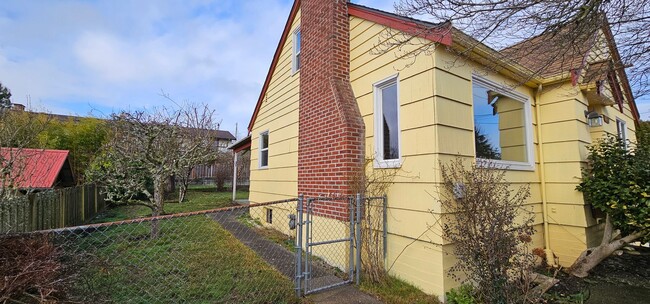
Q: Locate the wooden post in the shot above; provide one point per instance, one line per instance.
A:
(62, 206)
(234, 178)
(95, 190)
(32, 202)
(83, 204)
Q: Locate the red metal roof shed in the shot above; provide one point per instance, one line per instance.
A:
(37, 168)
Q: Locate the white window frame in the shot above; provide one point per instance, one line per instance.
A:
(380, 162)
(268, 143)
(294, 53)
(529, 165)
(622, 126)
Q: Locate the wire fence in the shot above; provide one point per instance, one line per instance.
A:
(239, 254)
(229, 255)
(51, 209)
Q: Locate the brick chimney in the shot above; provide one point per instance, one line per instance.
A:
(331, 129)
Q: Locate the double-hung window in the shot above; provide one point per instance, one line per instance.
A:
(295, 66)
(264, 149)
(621, 131)
(387, 129)
(502, 125)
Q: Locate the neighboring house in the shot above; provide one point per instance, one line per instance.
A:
(35, 169)
(209, 172)
(223, 139)
(329, 102)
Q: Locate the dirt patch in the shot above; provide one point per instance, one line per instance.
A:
(623, 278)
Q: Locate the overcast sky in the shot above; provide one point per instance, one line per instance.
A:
(98, 57)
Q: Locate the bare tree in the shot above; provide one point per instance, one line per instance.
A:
(149, 146)
(223, 170)
(571, 25)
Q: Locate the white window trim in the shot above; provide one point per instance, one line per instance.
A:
(623, 126)
(380, 162)
(528, 122)
(259, 158)
(294, 54)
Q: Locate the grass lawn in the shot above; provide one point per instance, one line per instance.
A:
(198, 198)
(192, 260)
(396, 291)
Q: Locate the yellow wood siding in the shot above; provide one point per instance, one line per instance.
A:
(278, 115)
(414, 257)
(437, 125)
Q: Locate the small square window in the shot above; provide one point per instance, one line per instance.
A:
(269, 216)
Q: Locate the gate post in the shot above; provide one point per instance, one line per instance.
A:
(358, 234)
(299, 246)
(351, 258)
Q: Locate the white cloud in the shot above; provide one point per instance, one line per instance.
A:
(71, 56)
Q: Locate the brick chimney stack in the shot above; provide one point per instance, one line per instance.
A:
(331, 129)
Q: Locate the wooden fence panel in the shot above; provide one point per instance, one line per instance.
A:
(51, 209)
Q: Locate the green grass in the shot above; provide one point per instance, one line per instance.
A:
(192, 260)
(198, 198)
(396, 291)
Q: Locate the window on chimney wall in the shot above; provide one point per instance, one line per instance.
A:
(387, 130)
(296, 51)
(264, 149)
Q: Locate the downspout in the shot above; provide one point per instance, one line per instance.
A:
(542, 178)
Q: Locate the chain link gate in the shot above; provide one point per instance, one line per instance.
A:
(333, 238)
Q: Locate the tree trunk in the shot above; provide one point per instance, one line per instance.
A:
(158, 201)
(182, 191)
(185, 180)
(591, 257)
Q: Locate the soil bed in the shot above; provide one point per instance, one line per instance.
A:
(621, 278)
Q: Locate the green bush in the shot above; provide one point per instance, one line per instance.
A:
(461, 295)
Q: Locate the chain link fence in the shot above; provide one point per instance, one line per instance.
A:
(240, 254)
(229, 255)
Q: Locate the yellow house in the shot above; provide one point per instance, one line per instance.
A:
(330, 100)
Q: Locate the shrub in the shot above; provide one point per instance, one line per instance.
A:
(491, 228)
(30, 269)
(461, 295)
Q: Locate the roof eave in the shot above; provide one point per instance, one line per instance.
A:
(276, 58)
(483, 54)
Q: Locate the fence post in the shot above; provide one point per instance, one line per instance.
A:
(307, 272)
(32, 203)
(299, 246)
(62, 206)
(95, 196)
(83, 205)
(358, 234)
(351, 258)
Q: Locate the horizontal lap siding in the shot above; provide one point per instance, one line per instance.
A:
(566, 136)
(411, 255)
(279, 115)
